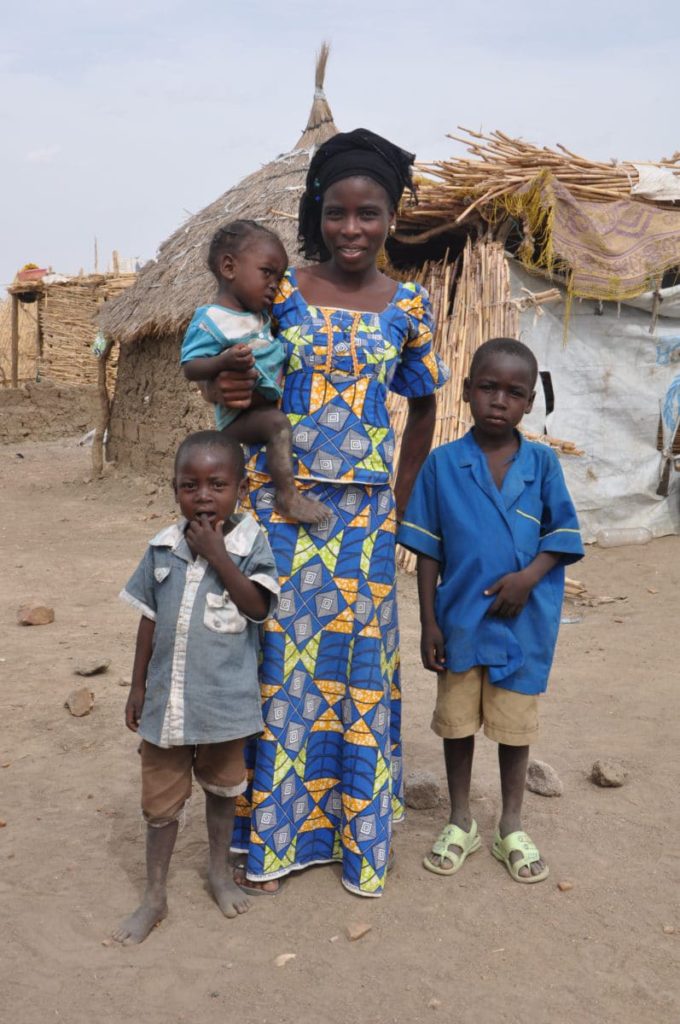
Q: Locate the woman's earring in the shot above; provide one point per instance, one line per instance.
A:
(393, 228)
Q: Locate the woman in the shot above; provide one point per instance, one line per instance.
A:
(327, 771)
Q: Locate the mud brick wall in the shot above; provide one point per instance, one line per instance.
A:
(46, 411)
(154, 407)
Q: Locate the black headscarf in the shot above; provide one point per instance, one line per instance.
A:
(346, 155)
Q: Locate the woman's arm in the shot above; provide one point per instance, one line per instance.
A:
(415, 446)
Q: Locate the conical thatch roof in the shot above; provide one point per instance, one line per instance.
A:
(168, 289)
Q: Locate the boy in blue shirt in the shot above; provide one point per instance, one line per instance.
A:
(493, 526)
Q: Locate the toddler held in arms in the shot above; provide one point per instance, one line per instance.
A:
(248, 261)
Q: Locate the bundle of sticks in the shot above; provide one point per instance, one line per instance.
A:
(499, 165)
(68, 328)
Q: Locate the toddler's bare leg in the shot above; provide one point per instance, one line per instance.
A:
(219, 815)
(270, 426)
(160, 842)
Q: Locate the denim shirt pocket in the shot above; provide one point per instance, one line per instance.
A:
(222, 616)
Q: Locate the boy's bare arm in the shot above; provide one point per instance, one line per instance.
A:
(250, 598)
(238, 358)
(512, 590)
(432, 649)
(143, 649)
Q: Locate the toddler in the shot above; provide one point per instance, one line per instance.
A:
(248, 261)
(203, 587)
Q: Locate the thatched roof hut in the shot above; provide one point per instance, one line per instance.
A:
(153, 408)
(169, 288)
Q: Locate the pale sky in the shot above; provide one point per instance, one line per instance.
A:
(119, 120)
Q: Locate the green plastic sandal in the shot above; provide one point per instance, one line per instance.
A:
(452, 835)
(522, 843)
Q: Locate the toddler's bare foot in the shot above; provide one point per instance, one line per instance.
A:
(136, 927)
(228, 896)
(293, 505)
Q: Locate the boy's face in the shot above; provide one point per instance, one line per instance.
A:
(500, 393)
(207, 485)
(254, 273)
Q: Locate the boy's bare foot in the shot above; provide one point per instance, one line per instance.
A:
(228, 897)
(293, 505)
(136, 927)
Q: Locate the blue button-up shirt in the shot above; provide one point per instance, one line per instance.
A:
(478, 533)
(202, 682)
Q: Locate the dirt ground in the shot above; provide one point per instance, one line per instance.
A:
(474, 948)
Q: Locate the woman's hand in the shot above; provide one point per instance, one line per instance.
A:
(233, 388)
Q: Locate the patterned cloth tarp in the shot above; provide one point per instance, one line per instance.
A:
(612, 251)
(326, 774)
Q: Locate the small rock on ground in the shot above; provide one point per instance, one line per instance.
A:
(357, 930)
(565, 886)
(35, 613)
(92, 666)
(80, 702)
(543, 779)
(422, 790)
(608, 773)
(282, 959)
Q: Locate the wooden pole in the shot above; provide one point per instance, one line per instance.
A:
(104, 412)
(38, 338)
(15, 342)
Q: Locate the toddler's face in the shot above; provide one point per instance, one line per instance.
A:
(208, 485)
(500, 393)
(254, 273)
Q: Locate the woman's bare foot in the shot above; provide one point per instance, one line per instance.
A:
(228, 897)
(135, 928)
(294, 505)
(266, 888)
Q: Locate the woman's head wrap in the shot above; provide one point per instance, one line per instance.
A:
(360, 153)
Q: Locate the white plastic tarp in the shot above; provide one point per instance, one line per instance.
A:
(610, 379)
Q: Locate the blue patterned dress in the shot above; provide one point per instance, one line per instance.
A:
(326, 774)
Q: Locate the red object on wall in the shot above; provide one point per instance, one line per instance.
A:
(33, 274)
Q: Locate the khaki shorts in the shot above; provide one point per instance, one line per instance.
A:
(166, 776)
(466, 700)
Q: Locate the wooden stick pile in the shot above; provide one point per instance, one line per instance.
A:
(69, 328)
(483, 309)
(499, 165)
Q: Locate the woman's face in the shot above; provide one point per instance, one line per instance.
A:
(355, 218)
